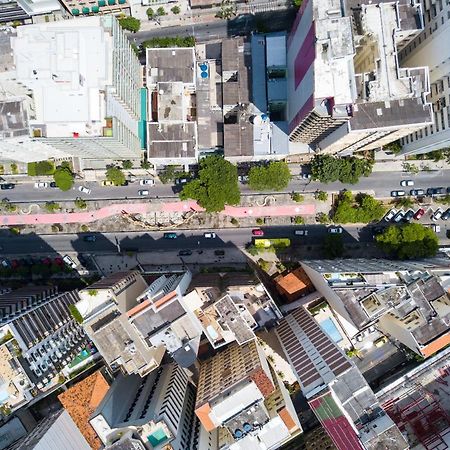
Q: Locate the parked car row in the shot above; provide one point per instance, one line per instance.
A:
(430, 192)
(398, 216)
(15, 263)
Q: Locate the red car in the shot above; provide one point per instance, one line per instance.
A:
(257, 232)
(419, 213)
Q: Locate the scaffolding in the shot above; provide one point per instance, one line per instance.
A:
(422, 412)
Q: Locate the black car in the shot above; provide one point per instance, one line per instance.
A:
(185, 253)
(89, 238)
(7, 186)
(408, 216)
(435, 191)
(53, 184)
(446, 214)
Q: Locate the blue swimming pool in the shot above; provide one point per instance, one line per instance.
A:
(330, 328)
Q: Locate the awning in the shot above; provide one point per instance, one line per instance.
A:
(111, 2)
(95, 9)
(101, 2)
(85, 10)
(75, 12)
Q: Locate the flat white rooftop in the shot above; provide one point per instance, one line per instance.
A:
(67, 64)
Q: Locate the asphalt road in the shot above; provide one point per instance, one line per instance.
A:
(381, 183)
(30, 244)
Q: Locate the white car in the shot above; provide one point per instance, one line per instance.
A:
(143, 192)
(41, 185)
(399, 216)
(69, 261)
(335, 230)
(147, 182)
(301, 232)
(209, 235)
(437, 214)
(84, 189)
(181, 181)
(407, 183)
(390, 215)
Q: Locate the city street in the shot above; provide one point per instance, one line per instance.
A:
(380, 183)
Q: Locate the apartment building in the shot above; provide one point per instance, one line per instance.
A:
(335, 390)
(240, 396)
(230, 307)
(44, 334)
(346, 89)
(75, 88)
(134, 323)
(407, 302)
(159, 408)
(426, 49)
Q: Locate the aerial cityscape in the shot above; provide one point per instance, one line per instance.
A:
(224, 225)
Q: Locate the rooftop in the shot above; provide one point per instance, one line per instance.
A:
(170, 65)
(13, 119)
(172, 140)
(81, 400)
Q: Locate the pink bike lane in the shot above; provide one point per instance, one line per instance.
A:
(143, 208)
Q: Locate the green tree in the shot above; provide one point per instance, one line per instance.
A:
(361, 209)
(115, 175)
(216, 185)
(75, 314)
(14, 169)
(127, 164)
(299, 220)
(327, 169)
(176, 9)
(38, 168)
(169, 41)
(161, 11)
(150, 13)
(409, 241)
(168, 174)
(404, 202)
(333, 246)
(297, 197)
(145, 164)
(322, 218)
(274, 177)
(80, 203)
(130, 23)
(51, 207)
(394, 147)
(322, 196)
(63, 177)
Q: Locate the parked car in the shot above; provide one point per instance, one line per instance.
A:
(407, 183)
(243, 178)
(416, 192)
(398, 193)
(185, 253)
(419, 213)
(181, 180)
(7, 186)
(84, 189)
(257, 232)
(53, 185)
(41, 185)
(143, 192)
(147, 182)
(90, 238)
(446, 214)
(5, 263)
(408, 215)
(107, 183)
(301, 232)
(170, 235)
(306, 176)
(435, 191)
(435, 228)
(399, 216)
(437, 214)
(209, 235)
(390, 215)
(335, 230)
(69, 261)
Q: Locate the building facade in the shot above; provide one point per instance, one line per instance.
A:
(78, 92)
(426, 50)
(346, 89)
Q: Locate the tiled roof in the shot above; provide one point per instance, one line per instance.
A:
(263, 382)
(81, 400)
(287, 419)
(293, 282)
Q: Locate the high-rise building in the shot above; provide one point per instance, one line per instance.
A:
(335, 389)
(77, 91)
(426, 49)
(346, 89)
(404, 301)
(159, 407)
(241, 397)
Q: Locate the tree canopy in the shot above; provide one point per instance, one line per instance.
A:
(274, 177)
(361, 209)
(216, 185)
(408, 241)
(130, 23)
(327, 169)
(169, 41)
(40, 168)
(115, 175)
(63, 177)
